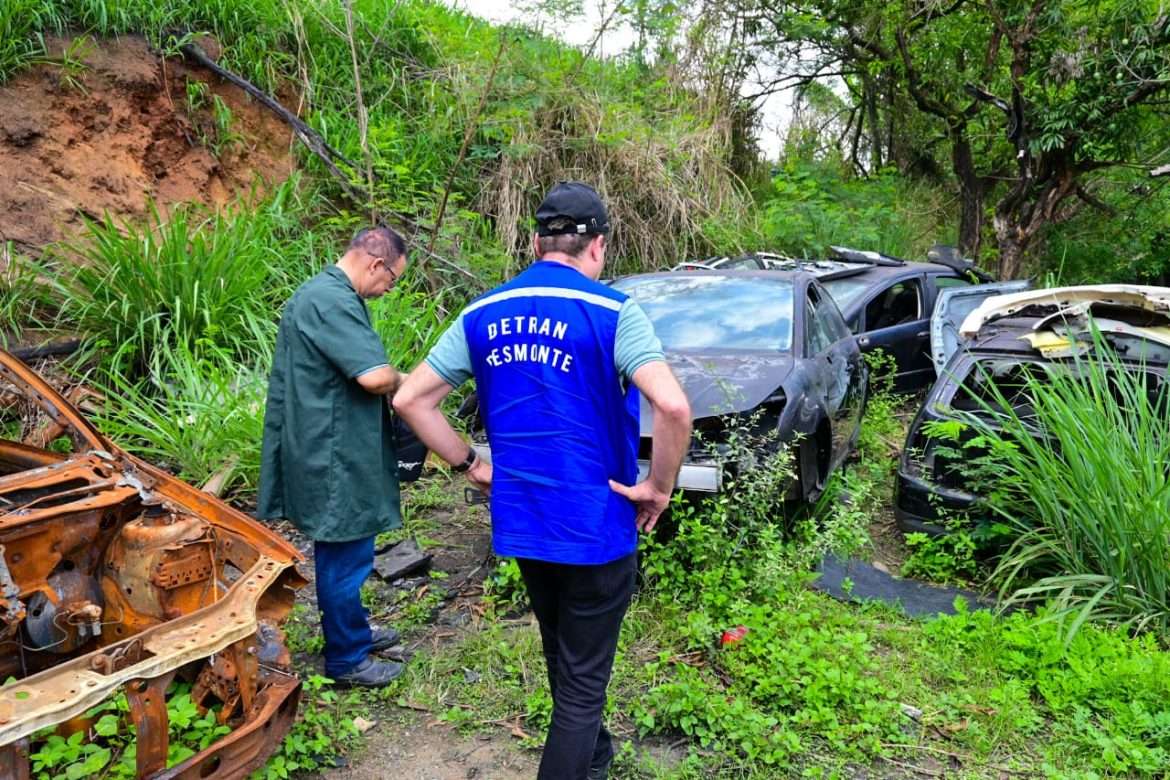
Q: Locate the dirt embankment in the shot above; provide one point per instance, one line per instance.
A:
(109, 125)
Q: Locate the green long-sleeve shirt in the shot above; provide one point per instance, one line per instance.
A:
(328, 462)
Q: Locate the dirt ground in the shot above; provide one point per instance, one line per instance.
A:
(426, 751)
(107, 128)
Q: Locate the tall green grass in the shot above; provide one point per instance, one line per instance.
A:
(180, 280)
(197, 412)
(25, 303)
(1082, 474)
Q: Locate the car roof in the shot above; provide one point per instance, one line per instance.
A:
(789, 276)
(881, 272)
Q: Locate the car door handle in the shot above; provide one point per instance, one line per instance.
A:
(922, 334)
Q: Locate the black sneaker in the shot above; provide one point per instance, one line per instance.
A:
(384, 639)
(600, 772)
(370, 674)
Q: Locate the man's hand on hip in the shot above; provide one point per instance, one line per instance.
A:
(649, 500)
(480, 476)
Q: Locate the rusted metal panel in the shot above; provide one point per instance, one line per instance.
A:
(148, 712)
(14, 763)
(238, 754)
(116, 575)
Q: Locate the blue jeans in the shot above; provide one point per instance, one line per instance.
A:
(341, 569)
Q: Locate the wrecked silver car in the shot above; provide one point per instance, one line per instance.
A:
(767, 344)
(986, 348)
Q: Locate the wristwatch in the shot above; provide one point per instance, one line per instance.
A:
(467, 463)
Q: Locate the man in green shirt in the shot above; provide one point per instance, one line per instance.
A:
(328, 462)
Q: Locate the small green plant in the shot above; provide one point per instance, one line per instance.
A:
(946, 559)
(302, 632)
(504, 588)
(324, 729)
(70, 65)
(196, 95)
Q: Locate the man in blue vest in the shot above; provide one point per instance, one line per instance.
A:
(558, 361)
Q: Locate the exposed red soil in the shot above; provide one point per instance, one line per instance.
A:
(116, 133)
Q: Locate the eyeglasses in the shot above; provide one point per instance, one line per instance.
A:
(388, 265)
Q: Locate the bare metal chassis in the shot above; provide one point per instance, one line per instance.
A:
(144, 663)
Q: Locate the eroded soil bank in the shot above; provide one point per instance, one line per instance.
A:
(108, 126)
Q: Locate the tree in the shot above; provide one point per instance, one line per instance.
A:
(1029, 98)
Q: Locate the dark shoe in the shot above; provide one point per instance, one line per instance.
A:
(384, 639)
(600, 772)
(370, 674)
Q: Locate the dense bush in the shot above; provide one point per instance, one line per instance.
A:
(1081, 473)
(179, 280)
(813, 205)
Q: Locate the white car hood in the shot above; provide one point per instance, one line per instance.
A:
(1076, 300)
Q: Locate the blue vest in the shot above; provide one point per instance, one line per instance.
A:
(559, 419)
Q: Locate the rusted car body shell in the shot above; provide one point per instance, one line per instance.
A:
(143, 577)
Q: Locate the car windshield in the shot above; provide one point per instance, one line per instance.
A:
(845, 291)
(700, 311)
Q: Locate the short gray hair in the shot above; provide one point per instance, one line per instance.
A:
(380, 241)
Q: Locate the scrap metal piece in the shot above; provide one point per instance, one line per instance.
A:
(402, 560)
(12, 609)
(14, 763)
(148, 712)
(74, 686)
(1131, 296)
(237, 755)
(183, 580)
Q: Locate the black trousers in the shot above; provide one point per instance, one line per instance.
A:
(580, 611)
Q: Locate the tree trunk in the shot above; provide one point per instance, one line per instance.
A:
(1011, 250)
(875, 128)
(972, 190)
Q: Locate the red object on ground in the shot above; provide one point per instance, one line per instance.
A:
(733, 635)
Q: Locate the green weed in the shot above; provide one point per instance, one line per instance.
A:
(1081, 476)
(24, 300)
(110, 749)
(324, 729)
(197, 412)
(945, 559)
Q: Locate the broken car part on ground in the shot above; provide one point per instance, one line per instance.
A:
(115, 576)
(1005, 338)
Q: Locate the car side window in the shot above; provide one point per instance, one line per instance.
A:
(943, 282)
(899, 303)
(825, 326)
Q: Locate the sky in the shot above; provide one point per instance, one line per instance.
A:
(775, 110)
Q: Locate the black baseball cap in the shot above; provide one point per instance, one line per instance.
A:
(576, 202)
